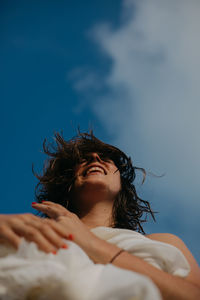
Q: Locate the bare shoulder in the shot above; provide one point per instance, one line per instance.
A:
(166, 238)
(194, 275)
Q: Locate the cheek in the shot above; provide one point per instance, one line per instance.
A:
(77, 181)
(117, 182)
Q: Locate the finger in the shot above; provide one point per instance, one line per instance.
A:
(9, 236)
(51, 212)
(51, 203)
(57, 206)
(59, 228)
(28, 216)
(48, 232)
(33, 234)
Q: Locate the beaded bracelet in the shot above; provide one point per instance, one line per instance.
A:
(117, 254)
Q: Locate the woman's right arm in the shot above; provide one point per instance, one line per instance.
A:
(46, 233)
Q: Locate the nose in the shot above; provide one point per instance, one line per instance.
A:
(95, 157)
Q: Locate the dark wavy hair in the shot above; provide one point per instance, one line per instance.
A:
(56, 182)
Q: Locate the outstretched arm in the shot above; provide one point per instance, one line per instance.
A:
(171, 287)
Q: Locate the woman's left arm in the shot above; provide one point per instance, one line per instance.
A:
(171, 287)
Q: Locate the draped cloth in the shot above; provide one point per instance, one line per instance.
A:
(31, 274)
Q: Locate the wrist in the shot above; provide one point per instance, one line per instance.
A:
(101, 251)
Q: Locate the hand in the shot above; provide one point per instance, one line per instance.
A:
(47, 234)
(98, 250)
(51, 209)
(75, 229)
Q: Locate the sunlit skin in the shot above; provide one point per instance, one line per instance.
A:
(95, 190)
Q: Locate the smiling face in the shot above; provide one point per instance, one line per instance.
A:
(97, 177)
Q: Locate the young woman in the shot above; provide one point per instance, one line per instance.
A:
(87, 185)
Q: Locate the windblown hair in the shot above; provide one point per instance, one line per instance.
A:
(56, 182)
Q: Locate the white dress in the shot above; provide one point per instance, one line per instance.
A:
(29, 273)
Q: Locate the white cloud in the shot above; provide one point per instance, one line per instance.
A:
(155, 73)
(153, 104)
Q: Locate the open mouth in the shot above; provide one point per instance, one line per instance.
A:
(94, 170)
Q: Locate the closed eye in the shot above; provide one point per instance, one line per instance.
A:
(88, 158)
(106, 159)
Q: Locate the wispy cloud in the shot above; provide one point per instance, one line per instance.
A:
(152, 101)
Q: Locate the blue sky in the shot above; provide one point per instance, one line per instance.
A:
(41, 44)
(130, 69)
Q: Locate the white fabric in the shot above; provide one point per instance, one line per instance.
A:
(29, 273)
(161, 255)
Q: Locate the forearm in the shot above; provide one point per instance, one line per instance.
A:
(171, 287)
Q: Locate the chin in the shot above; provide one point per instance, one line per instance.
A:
(92, 184)
(95, 183)
(95, 186)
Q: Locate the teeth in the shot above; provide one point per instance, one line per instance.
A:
(93, 169)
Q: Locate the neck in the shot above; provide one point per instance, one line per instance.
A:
(99, 214)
